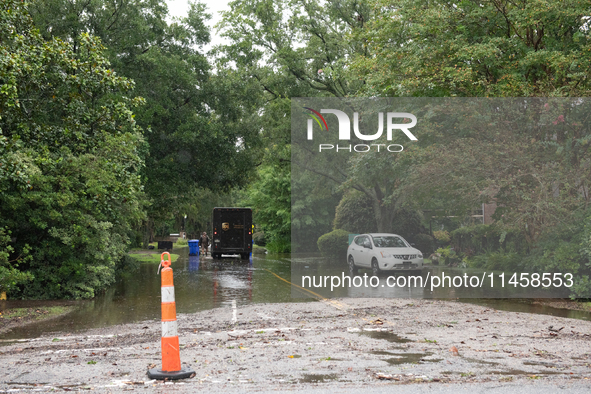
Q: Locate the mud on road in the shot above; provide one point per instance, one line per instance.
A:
(11, 318)
(343, 343)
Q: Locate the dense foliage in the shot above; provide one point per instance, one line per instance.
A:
(10, 275)
(70, 189)
(269, 196)
(334, 244)
(355, 214)
(196, 123)
(279, 50)
(477, 48)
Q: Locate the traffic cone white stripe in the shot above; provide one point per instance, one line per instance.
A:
(167, 294)
(169, 329)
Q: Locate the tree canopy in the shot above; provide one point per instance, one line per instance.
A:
(194, 121)
(491, 48)
(70, 189)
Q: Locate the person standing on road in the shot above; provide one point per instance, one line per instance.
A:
(204, 242)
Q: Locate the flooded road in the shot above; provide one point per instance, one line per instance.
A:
(200, 284)
(203, 284)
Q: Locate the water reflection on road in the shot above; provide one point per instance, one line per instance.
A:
(506, 298)
(332, 278)
(202, 284)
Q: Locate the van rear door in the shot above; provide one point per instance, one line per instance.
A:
(232, 233)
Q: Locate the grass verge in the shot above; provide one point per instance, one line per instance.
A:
(256, 249)
(16, 317)
(151, 257)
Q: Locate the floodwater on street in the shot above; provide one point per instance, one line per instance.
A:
(202, 284)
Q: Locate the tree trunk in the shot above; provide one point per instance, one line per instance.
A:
(383, 214)
(385, 222)
(148, 236)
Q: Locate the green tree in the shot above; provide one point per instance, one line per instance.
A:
(295, 43)
(70, 159)
(286, 49)
(495, 48)
(10, 275)
(313, 204)
(197, 132)
(477, 48)
(527, 155)
(380, 176)
(269, 197)
(355, 214)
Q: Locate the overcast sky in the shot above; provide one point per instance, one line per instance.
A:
(180, 7)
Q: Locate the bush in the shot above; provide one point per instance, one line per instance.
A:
(259, 238)
(425, 243)
(334, 244)
(449, 256)
(484, 238)
(279, 245)
(127, 264)
(442, 236)
(136, 238)
(10, 276)
(355, 214)
(407, 223)
(499, 260)
(564, 252)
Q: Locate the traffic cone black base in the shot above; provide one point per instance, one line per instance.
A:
(159, 374)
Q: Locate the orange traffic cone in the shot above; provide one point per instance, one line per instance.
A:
(171, 357)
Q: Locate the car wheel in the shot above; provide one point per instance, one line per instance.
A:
(244, 256)
(352, 266)
(375, 268)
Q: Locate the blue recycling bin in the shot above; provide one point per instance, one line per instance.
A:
(194, 247)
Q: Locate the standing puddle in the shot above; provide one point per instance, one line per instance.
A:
(509, 372)
(387, 335)
(203, 284)
(528, 306)
(481, 362)
(541, 363)
(317, 378)
(524, 373)
(406, 358)
(200, 284)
